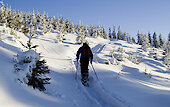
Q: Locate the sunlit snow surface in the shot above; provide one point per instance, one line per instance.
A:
(120, 85)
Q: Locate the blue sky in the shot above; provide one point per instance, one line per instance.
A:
(131, 15)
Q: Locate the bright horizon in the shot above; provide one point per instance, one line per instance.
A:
(132, 15)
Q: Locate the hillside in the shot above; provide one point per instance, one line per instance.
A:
(121, 83)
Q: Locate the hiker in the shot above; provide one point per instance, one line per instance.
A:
(85, 56)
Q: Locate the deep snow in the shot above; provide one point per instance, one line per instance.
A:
(122, 84)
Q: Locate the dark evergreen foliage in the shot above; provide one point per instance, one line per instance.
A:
(161, 42)
(110, 34)
(38, 79)
(155, 41)
(29, 46)
(149, 38)
(133, 40)
(119, 34)
(114, 33)
(139, 38)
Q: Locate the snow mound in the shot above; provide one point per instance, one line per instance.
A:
(28, 56)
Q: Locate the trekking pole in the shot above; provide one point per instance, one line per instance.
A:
(94, 72)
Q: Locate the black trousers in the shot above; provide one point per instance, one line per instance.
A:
(84, 63)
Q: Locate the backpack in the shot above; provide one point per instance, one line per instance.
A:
(85, 52)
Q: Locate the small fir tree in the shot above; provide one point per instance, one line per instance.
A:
(37, 79)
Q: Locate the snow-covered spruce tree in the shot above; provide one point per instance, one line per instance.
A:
(24, 28)
(99, 30)
(34, 19)
(105, 34)
(37, 78)
(67, 26)
(70, 28)
(96, 32)
(134, 57)
(73, 28)
(169, 37)
(145, 43)
(155, 41)
(110, 34)
(137, 59)
(166, 46)
(80, 37)
(133, 40)
(34, 70)
(11, 18)
(124, 37)
(114, 33)
(139, 38)
(59, 24)
(91, 32)
(129, 39)
(118, 54)
(3, 14)
(86, 30)
(40, 21)
(50, 25)
(161, 42)
(62, 29)
(54, 23)
(32, 30)
(45, 30)
(76, 29)
(149, 38)
(119, 34)
(167, 59)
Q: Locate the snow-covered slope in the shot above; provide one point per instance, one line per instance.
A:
(121, 84)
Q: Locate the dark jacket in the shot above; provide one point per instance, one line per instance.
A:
(85, 52)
